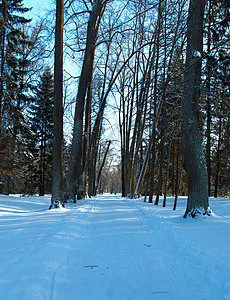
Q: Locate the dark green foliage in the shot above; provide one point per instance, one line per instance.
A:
(40, 145)
(13, 66)
(215, 95)
(13, 95)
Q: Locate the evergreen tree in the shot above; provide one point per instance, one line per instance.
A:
(13, 62)
(57, 164)
(13, 92)
(42, 127)
(216, 92)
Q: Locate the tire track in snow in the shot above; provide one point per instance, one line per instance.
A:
(125, 223)
(137, 256)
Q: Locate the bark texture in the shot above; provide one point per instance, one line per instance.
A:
(2, 47)
(57, 162)
(194, 160)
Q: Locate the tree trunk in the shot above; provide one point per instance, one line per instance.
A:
(159, 187)
(102, 165)
(123, 137)
(57, 161)
(167, 173)
(208, 109)
(139, 137)
(208, 146)
(178, 185)
(74, 169)
(173, 168)
(148, 151)
(3, 37)
(218, 160)
(42, 163)
(157, 108)
(152, 164)
(177, 165)
(87, 132)
(94, 133)
(194, 160)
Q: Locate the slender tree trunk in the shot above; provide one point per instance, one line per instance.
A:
(156, 109)
(57, 160)
(148, 150)
(41, 181)
(194, 160)
(177, 165)
(102, 165)
(44, 169)
(94, 192)
(178, 185)
(218, 160)
(208, 109)
(135, 93)
(122, 125)
(87, 131)
(90, 174)
(138, 146)
(167, 173)
(162, 149)
(153, 150)
(159, 187)
(2, 41)
(173, 168)
(208, 146)
(93, 133)
(123, 187)
(152, 164)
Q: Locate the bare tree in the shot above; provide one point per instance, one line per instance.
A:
(74, 169)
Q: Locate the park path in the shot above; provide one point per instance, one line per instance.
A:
(109, 247)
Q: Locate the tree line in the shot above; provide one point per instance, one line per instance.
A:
(161, 66)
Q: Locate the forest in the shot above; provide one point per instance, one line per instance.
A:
(127, 97)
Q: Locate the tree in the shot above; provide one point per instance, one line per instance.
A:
(13, 63)
(101, 167)
(194, 161)
(57, 161)
(165, 68)
(215, 77)
(42, 127)
(13, 92)
(85, 82)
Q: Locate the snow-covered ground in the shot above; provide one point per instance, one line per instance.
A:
(112, 248)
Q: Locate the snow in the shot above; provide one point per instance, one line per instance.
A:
(112, 248)
(196, 53)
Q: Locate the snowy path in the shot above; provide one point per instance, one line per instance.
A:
(108, 248)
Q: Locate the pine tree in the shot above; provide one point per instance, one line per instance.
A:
(57, 164)
(42, 127)
(13, 62)
(216, 87)
(13, 90)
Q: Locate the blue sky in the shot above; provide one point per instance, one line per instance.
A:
(39, 6)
